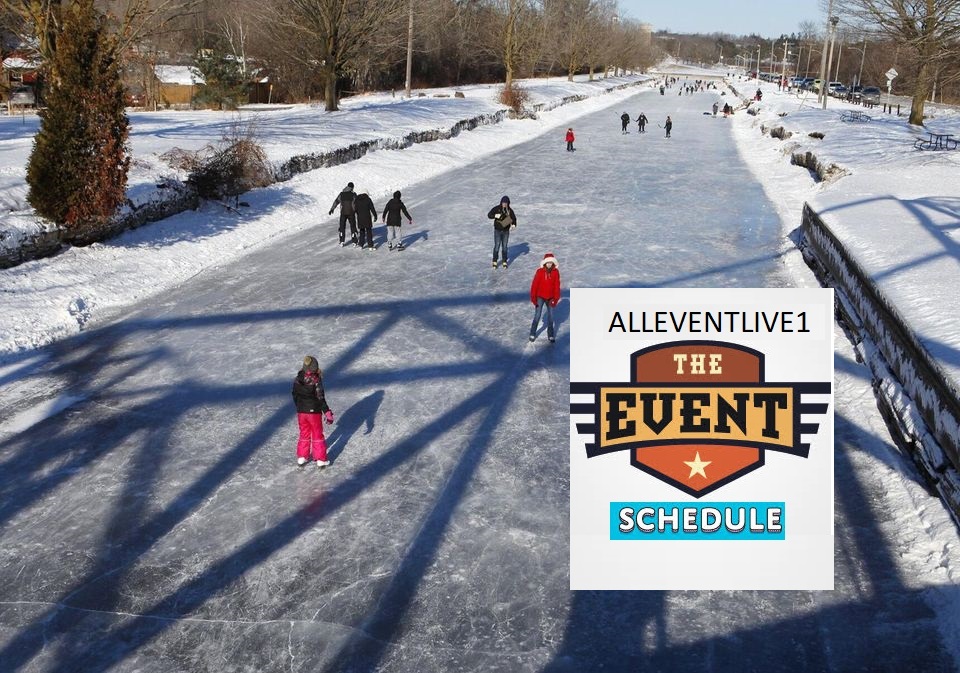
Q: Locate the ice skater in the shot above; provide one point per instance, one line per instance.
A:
(504, 220)
(716, 107)
(347, 213)
(642, 123)
(545, 291)
(366, 216)
(624, 121)
(391, 216)
(312, 409)
(668, 125)
(570, 139)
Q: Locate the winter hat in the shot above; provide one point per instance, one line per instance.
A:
(396, 194)
(550, 258)
(310, 364)
(349, 185)
(505, 199)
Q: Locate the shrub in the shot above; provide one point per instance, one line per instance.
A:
(514, 97)
(237, 165)
(77, 172)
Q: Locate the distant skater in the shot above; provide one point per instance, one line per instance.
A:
(570, 139)
(391, 216)
(642, 123)
(716, 107)
(545, 292)
(312, 409)
(624, 121)
(668, 125)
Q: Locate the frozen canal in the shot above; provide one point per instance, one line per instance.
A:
(160, 524)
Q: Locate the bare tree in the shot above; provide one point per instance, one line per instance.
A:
(929, 30)
(329, 36)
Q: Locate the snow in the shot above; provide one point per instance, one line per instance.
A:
(158, 521)
(185, 75)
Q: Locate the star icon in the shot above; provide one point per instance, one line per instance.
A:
(696, 466)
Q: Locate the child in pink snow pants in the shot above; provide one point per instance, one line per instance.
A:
(311, 409)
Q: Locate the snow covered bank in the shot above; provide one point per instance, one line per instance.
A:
(46, 300)
(884, 227)
(296, 139)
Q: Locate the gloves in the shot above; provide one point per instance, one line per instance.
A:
(328, 417)
(330, 213)
(553, 303)
(513, 226)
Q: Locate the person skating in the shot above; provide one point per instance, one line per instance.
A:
(347, 213)
(624, 120)
(391, 216)
(668, 125)
(545, 291)
(716, 107)
(642, 123)
(504, 219)
(366, 216)
(312, 408)
(570, 138)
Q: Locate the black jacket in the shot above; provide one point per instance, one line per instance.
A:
(391, 212)
(309, 397)
(345, 201)
(502, 222)
(365, 209)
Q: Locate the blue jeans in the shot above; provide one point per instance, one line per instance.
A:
(541, 302)
(500, 238)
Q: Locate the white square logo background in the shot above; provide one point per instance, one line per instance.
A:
(804, 559)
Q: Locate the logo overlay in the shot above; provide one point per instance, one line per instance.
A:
(713, 385)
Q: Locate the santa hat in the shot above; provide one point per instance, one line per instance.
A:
(549, 258)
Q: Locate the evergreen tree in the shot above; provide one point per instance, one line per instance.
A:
(224, 84)
(77, 171)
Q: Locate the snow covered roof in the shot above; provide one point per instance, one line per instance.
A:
(178, 74)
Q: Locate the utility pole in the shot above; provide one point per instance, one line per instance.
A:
(759, 47)
(783, 67)
(821, 94)
(863, 55)
(409, 49)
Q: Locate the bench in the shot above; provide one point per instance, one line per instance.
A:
(936, 141)
(854, 116)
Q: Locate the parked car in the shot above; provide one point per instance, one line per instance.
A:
(23, 95)
(871, 95)
(833, 86)
(840, 91)
(815, 85)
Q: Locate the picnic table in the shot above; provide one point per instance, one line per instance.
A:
(936, 141)
(854, 116)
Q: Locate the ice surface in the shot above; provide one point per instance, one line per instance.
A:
(161, 523)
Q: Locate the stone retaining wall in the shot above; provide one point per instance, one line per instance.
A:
(919, 402)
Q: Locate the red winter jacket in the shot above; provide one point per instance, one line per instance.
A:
(545, 285)
(570, 137)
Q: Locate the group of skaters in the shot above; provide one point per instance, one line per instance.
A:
(642, 124)
(309, 396)
(359, 211)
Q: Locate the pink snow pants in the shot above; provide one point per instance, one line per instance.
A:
(311, 437)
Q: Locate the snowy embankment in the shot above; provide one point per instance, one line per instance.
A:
(48, 299)
(884, 229)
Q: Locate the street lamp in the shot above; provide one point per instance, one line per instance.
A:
(758, 63)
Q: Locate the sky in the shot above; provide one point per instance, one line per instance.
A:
(766, 18)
